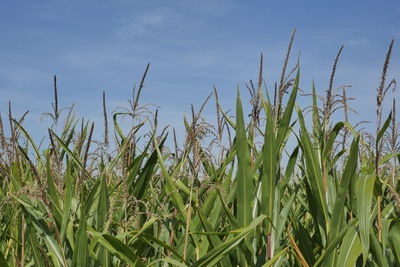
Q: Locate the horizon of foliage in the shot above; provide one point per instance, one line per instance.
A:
(234, 194)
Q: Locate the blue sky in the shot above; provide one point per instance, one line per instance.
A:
(95, 46)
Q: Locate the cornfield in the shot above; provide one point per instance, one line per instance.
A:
(274, 190)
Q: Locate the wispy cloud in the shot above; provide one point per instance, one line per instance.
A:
(146, 23)
(357, 42)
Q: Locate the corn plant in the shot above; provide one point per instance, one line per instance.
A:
(76, 201)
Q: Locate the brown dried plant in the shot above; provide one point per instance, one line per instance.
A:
(197, 131)
(282, 88)
(330, 97)
(105, 120)
(381, 93)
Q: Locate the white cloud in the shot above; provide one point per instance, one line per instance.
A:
(142, 24)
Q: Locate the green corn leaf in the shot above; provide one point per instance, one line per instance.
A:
(30, 140)
(289, 168)
(287, 115)
(394, 240)
(169, 185)
(81, 252)
(268, 178)
(383, 129)
(313, 168)
(226, 117)
(69, 184)
(35, 245)
(146, 226)
(154, 242)
(350, 249)
(387, 157)
(51, 243)
(317, 127)
(348, 174)
(245, 191)
(377, 251)
(281, 219)
(71, 154)
(326, 254)
(146, 174)
(331, 140)
(116, 125)
(218, 253)
(275, 258)
(214, 240)
(229, 214)
(365, 190)
(52, 192)
(103, 205)
(118, 248)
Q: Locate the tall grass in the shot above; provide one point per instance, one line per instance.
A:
(234, 195)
